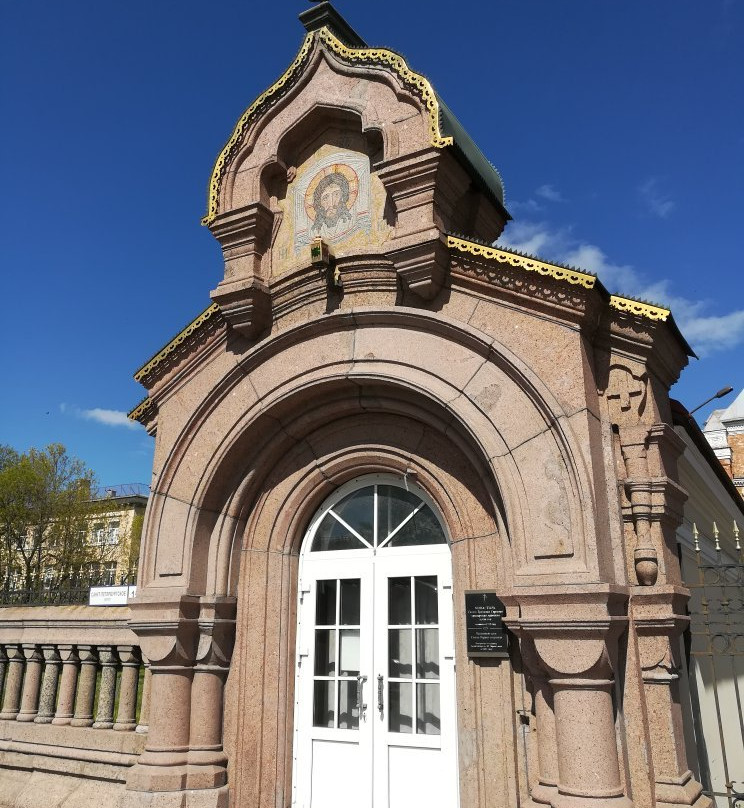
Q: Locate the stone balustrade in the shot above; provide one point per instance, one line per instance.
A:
(82, 685)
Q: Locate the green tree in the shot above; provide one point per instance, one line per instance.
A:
(45, 512)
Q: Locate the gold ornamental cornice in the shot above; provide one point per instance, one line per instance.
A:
(141, 409)
(415, 82)
(266, 98)
(639, 308)
(174, 344)
(573, 276)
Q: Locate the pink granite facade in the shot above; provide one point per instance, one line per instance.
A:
(530, 406)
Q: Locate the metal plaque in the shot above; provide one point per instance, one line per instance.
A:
(486, 632)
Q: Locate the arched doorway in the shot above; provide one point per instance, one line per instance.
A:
(375, 722)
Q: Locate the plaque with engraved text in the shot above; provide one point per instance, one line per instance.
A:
(486, 633)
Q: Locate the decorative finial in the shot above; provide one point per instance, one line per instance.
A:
(696, 537)
(736, 536)
(715, 535)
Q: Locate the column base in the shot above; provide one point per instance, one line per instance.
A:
(147, 777)
(210, 776)
(125, 726)
(103, 725)
(81, 722)
(62, 720)
(26, 716)
(543, 794)
(684, 790)
(190, 798)
(8, 716)
(43, 719)
(562, 800)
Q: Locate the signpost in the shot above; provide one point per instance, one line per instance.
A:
(111, 595)
(486, 633)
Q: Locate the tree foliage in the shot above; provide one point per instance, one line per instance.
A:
(45, 515)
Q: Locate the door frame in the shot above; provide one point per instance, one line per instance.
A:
(363, 563)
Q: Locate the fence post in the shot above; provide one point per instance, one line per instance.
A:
(87, 688)
(48, 699)
(107, 690)
(31, 683)
(66, 701)
(130, 662)
(14, 680)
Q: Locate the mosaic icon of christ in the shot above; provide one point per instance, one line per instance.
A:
(329, 201)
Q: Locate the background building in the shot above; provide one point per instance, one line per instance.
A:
(105, 551)
(724, 430)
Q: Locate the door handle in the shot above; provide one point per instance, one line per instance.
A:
(361, 706)
(380, 694)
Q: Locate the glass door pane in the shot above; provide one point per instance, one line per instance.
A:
(413, 655)
(337, 653)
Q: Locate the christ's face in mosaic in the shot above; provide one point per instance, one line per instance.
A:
(330, 201)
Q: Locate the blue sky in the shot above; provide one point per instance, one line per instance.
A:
(618, 128)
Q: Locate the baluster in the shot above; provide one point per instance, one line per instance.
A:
(86, 694)
(13, 682)
(129, 657)
(31, 683)
(144, 720)
(3, 666)
(107, 690)
(68, 684)
(48, 698)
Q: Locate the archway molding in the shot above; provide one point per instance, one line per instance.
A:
(323, 371)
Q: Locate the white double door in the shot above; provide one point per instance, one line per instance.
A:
(375, 723)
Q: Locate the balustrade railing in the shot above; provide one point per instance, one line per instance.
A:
(99, 686)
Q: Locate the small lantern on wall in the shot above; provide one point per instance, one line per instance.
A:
(320, 255)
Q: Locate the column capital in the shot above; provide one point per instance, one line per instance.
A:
(168, 632)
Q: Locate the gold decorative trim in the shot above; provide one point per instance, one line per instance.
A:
(414, 81)
(140, 409)
(524, 262)
(639, 308)
(241, 126)
(193, 326)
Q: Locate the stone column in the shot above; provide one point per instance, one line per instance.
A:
(658, 620)
(67, 685)
(86, 687)
(547, 787)
(107, 688)
(576, 647)
(207, 762)
(144, 719)
(167, 633)
(48, 698)
(31, 683)
(13, 682)
(129, 657)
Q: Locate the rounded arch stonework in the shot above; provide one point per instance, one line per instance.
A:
(515, 433)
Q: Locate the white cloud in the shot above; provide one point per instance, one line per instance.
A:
(707, 333)
(108, 417)
(656, 202)
(550, 193)
(545, 192)
(531, 206)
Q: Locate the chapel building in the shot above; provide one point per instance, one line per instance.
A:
(411, 537)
